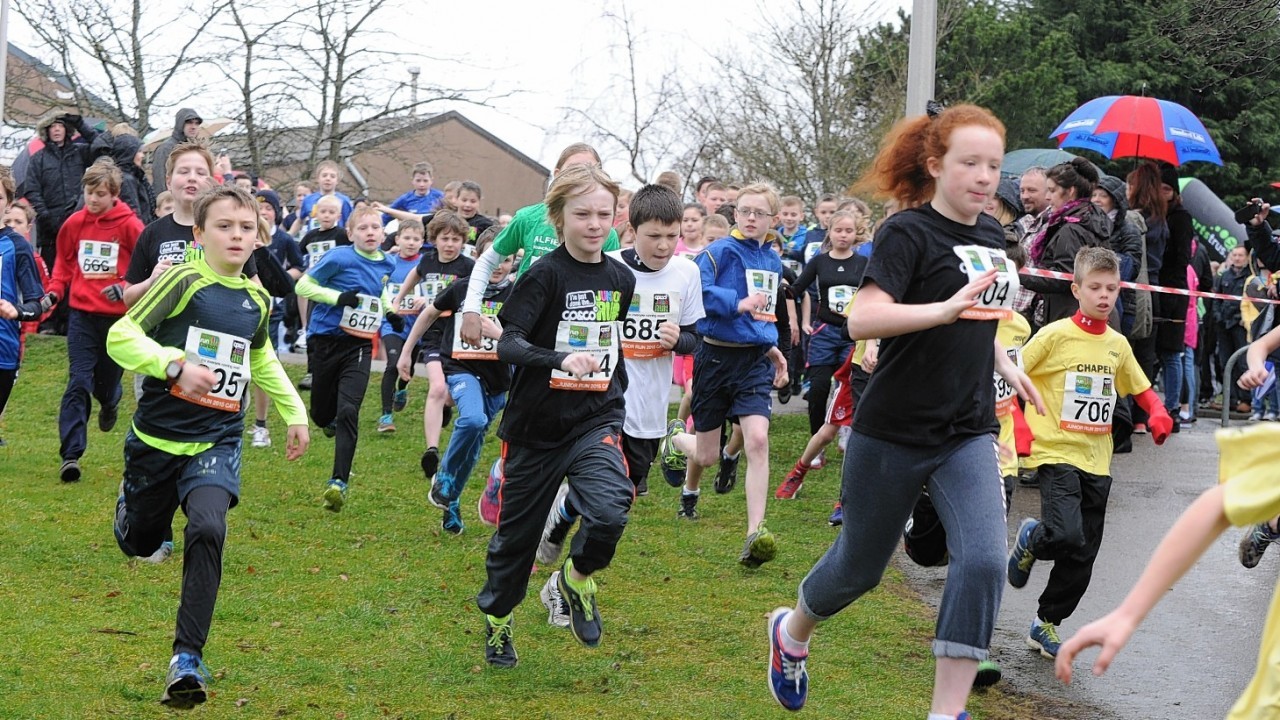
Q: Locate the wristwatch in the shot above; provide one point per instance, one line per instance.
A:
(173, 370)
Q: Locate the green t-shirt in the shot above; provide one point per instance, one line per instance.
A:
(532, 230)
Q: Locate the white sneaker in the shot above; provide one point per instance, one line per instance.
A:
(549, 552)
(1271, 416)
(553, 601)
(261, 437)
(300, 345)
(159, 556)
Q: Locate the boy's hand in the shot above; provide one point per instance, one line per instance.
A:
(471, 332)
(113, 292)
(871, 356)
(1111, 632)
(1020, 382)
(966, 297)
(1160, 426)
(403, 366)
(668, 334)
(196, 380)
(490, 329)
(7, 310)
(348, 299)
(580, 364)
(753, 303)
(160, 268)
(1254, 378)
(780, 376)
(296, 444)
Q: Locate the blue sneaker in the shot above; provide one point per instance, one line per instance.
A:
(386, 424)
(1020, 557)
(335, 495)
(452, 520)
(439, 495)
(187, 683)
(788, 678)
(400, 399)
(837, 516)
(1044, 637)
(673, 461)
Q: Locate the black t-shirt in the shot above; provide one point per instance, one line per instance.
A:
(494, 375)
(336, 235)
(837, 281)
(433, 277)
(586, 304)
(165, 239)
(934, 385)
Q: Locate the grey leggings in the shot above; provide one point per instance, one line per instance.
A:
(880, 484)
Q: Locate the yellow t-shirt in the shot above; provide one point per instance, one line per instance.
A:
(1080, 376)
(1250, 459)
(1012, 332)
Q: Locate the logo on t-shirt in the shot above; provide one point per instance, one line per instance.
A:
(592, 305)
(175, 251)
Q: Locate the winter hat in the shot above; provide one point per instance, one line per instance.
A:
(1010, 192)
(271, 198)
(1169, 176)
(1116, 188)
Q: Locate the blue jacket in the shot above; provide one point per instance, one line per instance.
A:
(420, 204)
(724, 266)
(19, 283)
(796, 242)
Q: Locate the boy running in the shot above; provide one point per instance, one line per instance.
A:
(22, 295)
(349, 284)
(1081, 367)
(395, 393)
(200, 336)
(562, 328)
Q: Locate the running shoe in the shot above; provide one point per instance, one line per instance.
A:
(452, 520)
(300, 346)
(107, 416)
(70, 471)
(1254, 544)
(305, 382)
(727, 474)
(330, 430)
(1020, 557)
(790, 486)
(430, 462)
(673, 461)
(553, 601)
(819, 462)
(261, 437)
(784, 394)
(688, 506)
(760, 548)
(1269, 416)
(499, 651)
(788, 678)
(399, 400)
(555, 529)
(161, 554)
(335, 495)
(584, 616)
(489, 504)
(988, 674)
(439, 495)
(837, 516)
(386, 424)
(186, 685)
(1044, 637)
(1139, 428)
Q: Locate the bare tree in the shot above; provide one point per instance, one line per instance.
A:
(807, 109)
(633, 117)
(122, 56)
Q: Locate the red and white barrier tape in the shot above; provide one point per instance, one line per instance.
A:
(1037, 272)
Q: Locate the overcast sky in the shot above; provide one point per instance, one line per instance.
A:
(554, 53)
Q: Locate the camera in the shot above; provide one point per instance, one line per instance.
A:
(1248, 212)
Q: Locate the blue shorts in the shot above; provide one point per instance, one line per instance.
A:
(147, 468)
(729, 383)
(828, 346)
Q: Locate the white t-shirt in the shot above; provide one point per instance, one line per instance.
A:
(673, 294)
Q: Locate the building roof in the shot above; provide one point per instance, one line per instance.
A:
(293, 145)
(97, 104)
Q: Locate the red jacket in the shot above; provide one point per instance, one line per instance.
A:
(93, 253)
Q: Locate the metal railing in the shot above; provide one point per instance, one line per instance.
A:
(1227, 385)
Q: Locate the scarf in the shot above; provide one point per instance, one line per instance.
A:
(1062, 214)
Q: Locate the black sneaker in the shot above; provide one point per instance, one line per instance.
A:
(498, 648)
(584, 618)
(727, 474)
(446, 417)
(107, 417)
(688, 506)
(642, 489)
(431, 463)
(784, 394)
(70, 471)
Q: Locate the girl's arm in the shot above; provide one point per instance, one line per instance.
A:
(877, 315)
(1192, 534)
(1257, 373)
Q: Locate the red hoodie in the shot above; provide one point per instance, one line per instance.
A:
(93, 253)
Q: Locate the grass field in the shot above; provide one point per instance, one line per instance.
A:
(370, 613)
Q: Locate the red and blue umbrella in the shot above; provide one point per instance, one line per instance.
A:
(1119, 126)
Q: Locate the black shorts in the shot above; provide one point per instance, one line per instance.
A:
(639, 453)
(729, 383)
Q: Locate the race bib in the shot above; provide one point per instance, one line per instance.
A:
(767, 283)
(317, 249)
(811, 251)
(792, 265)
(1005, 392)
(597, 338)
(640, 338)
(406, 303)
(1088, 403)
(364, 319)
(433, 284)
(488, 347)
(469, 250)
(839, 297)
(996, 302)
(228, 357)
(99, 259)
